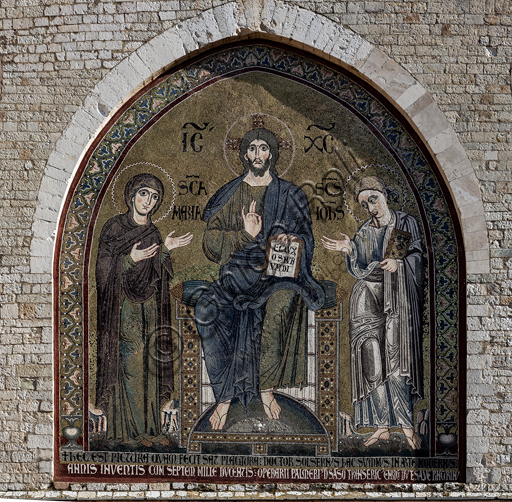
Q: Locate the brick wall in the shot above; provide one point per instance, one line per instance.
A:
(53, 54)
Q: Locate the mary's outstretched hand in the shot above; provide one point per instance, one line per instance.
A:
(177, 242)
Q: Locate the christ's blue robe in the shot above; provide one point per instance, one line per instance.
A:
(230, 313)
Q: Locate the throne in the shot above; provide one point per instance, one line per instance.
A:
(316, 404)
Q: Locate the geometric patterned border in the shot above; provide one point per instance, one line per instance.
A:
(77, 217)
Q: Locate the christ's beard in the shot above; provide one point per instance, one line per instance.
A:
(259, 171)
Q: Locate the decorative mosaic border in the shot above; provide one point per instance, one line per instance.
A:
(444, 270)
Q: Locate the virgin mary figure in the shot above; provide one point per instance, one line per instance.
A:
(134, 348)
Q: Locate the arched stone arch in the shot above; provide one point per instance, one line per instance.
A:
(298, 28)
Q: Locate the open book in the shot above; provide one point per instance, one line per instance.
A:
(282, 259)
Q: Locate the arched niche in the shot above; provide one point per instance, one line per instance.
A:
(334, 132)
(298, 28)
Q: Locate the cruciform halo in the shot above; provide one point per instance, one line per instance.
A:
(254, 121)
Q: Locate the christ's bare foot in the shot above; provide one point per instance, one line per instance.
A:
(219, 416)
(164, 442)
(272, 409)
(381, 434)
(146, 442)
(412, 438)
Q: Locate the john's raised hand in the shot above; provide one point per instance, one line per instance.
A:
(337, 245)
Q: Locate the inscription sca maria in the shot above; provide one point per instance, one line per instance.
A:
(192, 185)
(266, 267)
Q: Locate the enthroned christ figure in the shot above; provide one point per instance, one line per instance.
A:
(253, 326)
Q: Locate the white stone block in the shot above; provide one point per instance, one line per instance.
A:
(327, 31)
(491, 155)
(70, 151)
(339, 40)
(45, 230)
(477, 445)
(478, 254)
(466, 190)
(40, 441)
(318, 34)
(120, 82)
(453, 171)
(474, 430)
(474, 459)
(61, 162)
(452, 156)
(473, 224)
(44, 429)
(41, 247)
(187, 37)
(430, 121)
(226, 21)
(91, 106)
(50, 200)
(499, 418)
(86, 121)
(338, 51)
(330, 33)
(479, 362)
(204, 29)
(301, 25)
(304, 22)
(153, 55)
(474, 376)
(54, 188)
(252, 11)
(173, 44)
(108, 93)
(401, 83)
(479, 310)
(374, 62)
(476, 241)
(287, 26)
(199, 31)
(443, 140)
(478, 336)
(77, 134)
(481, 389)
(385, 78)
(478, 267)
(411, 95)
(89, 495)
(357, 52)
(46, 213)
(139, 70)
(9, 311)
(482, 419)
(56, 174)
(267, 15)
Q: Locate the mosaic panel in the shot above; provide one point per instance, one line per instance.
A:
(258, 279)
